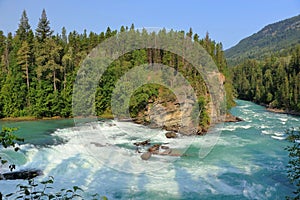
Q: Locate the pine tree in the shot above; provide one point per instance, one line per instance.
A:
(2, 60)
(24, 27)
(108, 32)
(190, 33)
(43, 30)
(132, 27)
(64, 37)
(68, 64)
(52, 67)
(5, 62)
(23, 60)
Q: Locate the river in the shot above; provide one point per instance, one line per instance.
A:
(248, 160)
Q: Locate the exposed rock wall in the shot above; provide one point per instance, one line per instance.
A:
(175, 116)
(171, 116)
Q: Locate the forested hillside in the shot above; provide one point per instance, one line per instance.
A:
(267, 69)
(274, 38)
(38, 69)
(274, 82)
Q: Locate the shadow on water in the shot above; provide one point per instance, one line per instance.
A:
(142, 182)
(69, 172)
(208, 187)
(104, 178)
(117, 184)
(232, 183)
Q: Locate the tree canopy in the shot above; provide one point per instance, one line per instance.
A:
(38, 70)
(274, 82)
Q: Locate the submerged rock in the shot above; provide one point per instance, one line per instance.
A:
(166, 152)
(146, 155)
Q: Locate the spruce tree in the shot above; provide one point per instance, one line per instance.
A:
(64, 37)
(23, 60)
(43, 30)
(24, 27)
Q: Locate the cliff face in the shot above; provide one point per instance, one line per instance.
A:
(174, 116)
(170, 116)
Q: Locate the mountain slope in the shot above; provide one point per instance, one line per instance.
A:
(272, 38)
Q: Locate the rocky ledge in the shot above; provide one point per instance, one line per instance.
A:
(282, 111)
(231, 118)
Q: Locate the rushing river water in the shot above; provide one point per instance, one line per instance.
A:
(247, 162)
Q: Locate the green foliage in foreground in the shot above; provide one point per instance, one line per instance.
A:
(44, 190)
(33, 190)
(294, 162)
(8, 139)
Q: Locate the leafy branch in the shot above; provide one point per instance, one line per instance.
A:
(294, 162)
(8, 139)
(32, 190)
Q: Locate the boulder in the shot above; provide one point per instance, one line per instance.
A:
(146, 155)
(144, 143)
(171, 134)
(154, 148)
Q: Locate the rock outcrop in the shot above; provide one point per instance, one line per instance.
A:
(231, 118)
(178, 114)
(171, 116)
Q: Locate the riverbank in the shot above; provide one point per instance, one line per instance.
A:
(282, 111)
(32, 118)
(170, 127)
(29, 118)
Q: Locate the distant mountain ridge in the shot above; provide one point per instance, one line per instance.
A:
(272, 38)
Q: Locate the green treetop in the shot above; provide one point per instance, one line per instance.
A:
(43, 30)
(24, 27)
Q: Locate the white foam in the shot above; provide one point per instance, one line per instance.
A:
(264, 126)
(267, 132)
(111, 144)
(278, 137)
(257, 191)
(279, 134)
(283, 119)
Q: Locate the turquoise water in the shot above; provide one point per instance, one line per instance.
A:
(247, 162)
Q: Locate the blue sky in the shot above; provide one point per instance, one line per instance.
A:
(227, 21)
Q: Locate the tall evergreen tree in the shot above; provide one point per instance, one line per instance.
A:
(64, 37)
(24, 60)
(24, 27)
(43, 30)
